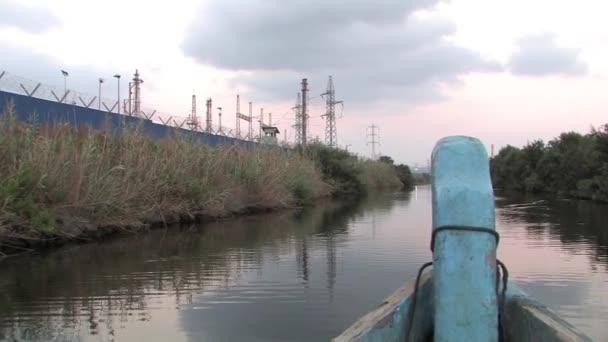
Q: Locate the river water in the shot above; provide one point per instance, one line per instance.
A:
(291, 276)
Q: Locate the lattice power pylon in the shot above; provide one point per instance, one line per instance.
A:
(331, 133)
(298, 126)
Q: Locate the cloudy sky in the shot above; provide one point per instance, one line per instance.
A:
(504, 71)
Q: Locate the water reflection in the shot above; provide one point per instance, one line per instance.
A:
(557, 251)
(92, 290)
(292, 276)
(573, 223)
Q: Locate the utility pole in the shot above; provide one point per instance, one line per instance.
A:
(99, 98)
(65, 82)
(219, 114)
(261, 121)
(250, 136)
(331, 134)
(270, 119)
(374, 141)
(117, 76)
(304, 112)
(238, 111)
(129, 100)
(194, 117)
(298, 126)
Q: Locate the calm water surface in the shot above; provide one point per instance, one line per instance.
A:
(293, 276)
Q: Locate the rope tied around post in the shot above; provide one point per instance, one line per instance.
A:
(501, 269)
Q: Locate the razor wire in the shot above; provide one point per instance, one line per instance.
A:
(15, 84)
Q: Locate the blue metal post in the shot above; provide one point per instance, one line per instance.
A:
(464, 262)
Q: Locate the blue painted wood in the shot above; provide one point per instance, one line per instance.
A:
(464, 262)
(388, 322)
(524, 319)
(458, 301)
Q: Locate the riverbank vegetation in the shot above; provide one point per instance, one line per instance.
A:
(347, 174)
(404, 174)
(60, 182)
(573, 165)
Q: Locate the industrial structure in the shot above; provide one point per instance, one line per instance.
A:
(374, 141)
(331, 134)
(304, 113)
(298, 118)
(192, 121)
(132, 105)
(208, 113)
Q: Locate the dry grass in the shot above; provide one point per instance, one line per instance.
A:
(57, 174)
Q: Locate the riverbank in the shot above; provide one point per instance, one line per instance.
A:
(60, 183)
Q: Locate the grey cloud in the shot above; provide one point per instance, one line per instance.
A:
(539, 55)
(376, 50)
(26, 18)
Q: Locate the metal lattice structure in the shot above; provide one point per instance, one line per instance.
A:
(208, 127)
(250, 135)
(331, 132)
(131, 106)
(304, 111)
(193, 122)
(374, 141)
(298, 114)
(137, 81)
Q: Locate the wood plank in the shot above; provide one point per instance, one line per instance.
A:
(388, 321)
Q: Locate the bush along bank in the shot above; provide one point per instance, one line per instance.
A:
(60, 183)
(572, 165)
(346, 174)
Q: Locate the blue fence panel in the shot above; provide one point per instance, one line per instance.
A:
(49, 112)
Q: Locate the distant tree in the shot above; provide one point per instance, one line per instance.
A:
(405, 175)
(422, 178)
(507, 168)
(571, 164)
(386, 159)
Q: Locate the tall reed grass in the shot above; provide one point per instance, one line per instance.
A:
(54, 176)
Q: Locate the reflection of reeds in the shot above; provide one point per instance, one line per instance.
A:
(96, 288)
(58, 177)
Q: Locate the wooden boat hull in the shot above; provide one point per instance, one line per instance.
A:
(458, 299)
(524, 318)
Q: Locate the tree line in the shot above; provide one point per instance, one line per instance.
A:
(572, 165)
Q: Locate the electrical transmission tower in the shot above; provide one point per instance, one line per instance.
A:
(331, 134)
(298, 126)
(304, 111)
(373, 141)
